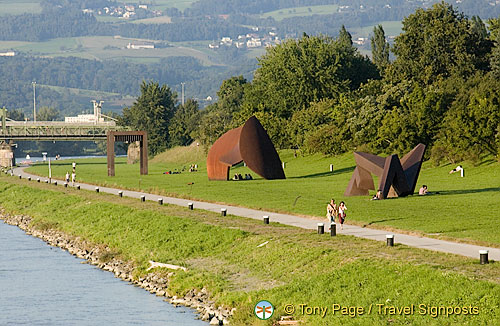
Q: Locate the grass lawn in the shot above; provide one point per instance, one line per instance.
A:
(295, 267)
(281, 14)
(17, 7)
(465, 208)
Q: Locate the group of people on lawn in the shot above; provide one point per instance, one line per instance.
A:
(336, 212)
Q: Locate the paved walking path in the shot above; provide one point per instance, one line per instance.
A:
(301, 222)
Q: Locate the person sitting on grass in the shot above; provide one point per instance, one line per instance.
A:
(378, 195)
(423, 191)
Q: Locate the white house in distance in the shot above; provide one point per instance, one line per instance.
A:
(140, 46)
(7, 54)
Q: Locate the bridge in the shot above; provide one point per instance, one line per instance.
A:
(56, 130)
(76, 131)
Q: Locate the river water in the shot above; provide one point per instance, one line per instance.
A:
(44, 285)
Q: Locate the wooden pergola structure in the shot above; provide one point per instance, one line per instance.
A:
(127, 137)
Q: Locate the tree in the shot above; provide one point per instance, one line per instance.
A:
(298, 72)
(436, 43)
(380, 48)
(16, 114)
(345, 38)
(184, 123)
(231, 94)
(46, 113)
(152, 112)
(495, 59)
(471, 126)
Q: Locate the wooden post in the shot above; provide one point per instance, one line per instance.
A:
(144, 153)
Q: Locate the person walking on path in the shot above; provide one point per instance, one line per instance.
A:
(67, 177)
(342, 214)
(331, 212)
(73, 178)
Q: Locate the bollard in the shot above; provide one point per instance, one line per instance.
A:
(37, 179)
(190, 205)
(55, 183)
(96, 189)
(283, 165)
(29, 178)
(390, 240)
(78, 187)
(266, 219)
(331, 167)
(483, 257)
(223, 212)
(120, 193)
(65, 185)
(46, 181)
(333, 229)
(20, 177)
(143, 198)
(321, 228)
(160, 201)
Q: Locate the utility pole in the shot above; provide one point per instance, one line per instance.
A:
(34, 101)
(182, 96)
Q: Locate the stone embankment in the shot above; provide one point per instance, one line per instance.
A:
(103, 257)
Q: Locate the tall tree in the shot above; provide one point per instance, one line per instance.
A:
(152, 112)
(46, 113)
(298, 72)
(345, 37)
(436, 43)
(184, 123)
(380, 48)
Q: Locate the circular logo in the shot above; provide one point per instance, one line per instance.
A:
(264, 310)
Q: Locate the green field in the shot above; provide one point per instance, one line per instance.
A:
(295, 267)
(155, 20)
(17, 7)
(164, 4)
(281, 14)
(462, 210)
(109, 48)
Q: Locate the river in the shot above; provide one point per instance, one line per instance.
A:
(44, 285)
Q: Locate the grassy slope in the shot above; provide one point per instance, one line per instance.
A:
(17, 7)
(464, 209)
(296, 267)
(281, 14)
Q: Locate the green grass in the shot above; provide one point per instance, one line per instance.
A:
(110, 48)
(155, 20)
(464, 209)
(17, 7)
(295, 267)
(281, 14)
(164, 4)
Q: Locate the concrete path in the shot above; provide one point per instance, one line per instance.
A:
(301, 222)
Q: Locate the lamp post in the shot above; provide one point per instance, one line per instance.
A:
(34, 101)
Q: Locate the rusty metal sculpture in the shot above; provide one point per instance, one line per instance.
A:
(248, 143)
(129, 137)
(398, 178)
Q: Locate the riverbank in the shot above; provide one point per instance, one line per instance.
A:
(102, 257)
(310, 184)
(239, 261)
